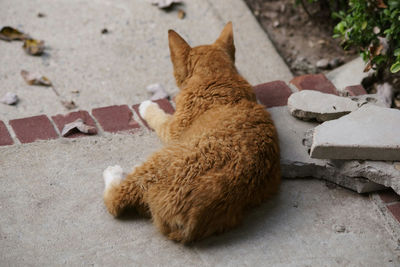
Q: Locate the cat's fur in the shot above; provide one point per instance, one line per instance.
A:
(221, 153)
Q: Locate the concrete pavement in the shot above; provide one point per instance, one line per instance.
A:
(52, 214)
(51, 191)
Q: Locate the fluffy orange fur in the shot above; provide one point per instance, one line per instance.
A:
(221, 153)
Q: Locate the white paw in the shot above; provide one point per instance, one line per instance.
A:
(144, 106)
(112, 175)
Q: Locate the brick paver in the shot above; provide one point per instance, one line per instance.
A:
(34, 128)
(316, 82)
(273, 94)
(115, 118)
(61, 120)
(355, 90)
(5, 137)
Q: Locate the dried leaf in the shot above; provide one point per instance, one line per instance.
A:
(9, 34)
(381, 4)
(368, 66)
(157, 90)
(78, 125)
(68, 104)
(397, 166)
(33, 47)
(165, 3)
(181, 14)
(35, 78)
(375, 49)
(9, 99)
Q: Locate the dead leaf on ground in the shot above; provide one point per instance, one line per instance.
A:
(68, 104)
(368, 66)
(78, 125)
(8, 33)
(35, 78)
(9, 99)
(33, 47)
(181, 14)
(165, 3)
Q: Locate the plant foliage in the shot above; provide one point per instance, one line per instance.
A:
(374, 27)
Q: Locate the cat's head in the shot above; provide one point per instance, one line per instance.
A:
(214, 59)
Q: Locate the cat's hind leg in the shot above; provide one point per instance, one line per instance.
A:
(156, 118)
(121, 193)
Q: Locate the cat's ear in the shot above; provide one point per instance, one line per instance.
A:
(225, 40)
(177, 45)
(179, 52)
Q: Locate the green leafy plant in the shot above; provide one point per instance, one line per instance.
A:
(374, 27)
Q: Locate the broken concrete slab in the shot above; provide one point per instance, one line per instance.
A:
(310, 104)
(373, 99)
(371, 133)
(349, 73)
(385, 92)
(296, 162)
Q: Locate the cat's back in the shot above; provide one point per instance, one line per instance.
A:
(245, 119)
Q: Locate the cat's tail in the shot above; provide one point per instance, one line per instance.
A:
(121, 192)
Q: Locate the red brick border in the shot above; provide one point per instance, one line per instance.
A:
(355, 90)
(115, 118)
(5, 137)
(33, 128)
(273, 94)
(317, 82)
(120, 118)
(392, 202)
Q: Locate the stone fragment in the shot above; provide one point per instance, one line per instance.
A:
(349, 73)
(336, 62)
(9, 98)
(322, 64)
(339, 228)
(371, 133)
(361, 177)
(372, 99)
(165, 3)
(310, 104)
(276, 24)
(385, 92)
(157, 90)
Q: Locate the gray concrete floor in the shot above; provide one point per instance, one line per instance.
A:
(115, 68)
(51, 210)
(52, 214)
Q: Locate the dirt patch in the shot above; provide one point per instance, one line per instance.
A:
(304, 42)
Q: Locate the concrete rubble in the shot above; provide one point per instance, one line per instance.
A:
(315, 105)
(361, 177)
(370, 133)
(385, 92)
(310, 104)
(373, 99)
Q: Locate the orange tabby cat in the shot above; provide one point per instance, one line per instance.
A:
(221, 153)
